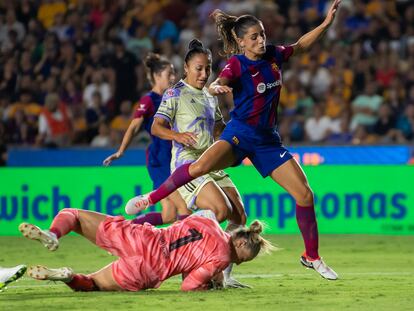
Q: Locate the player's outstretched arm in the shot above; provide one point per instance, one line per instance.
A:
(202, 278)
(132, 130)
(307, 40)
(219, 87)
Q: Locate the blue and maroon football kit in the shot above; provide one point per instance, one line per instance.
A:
(158, 154)
(256, 87)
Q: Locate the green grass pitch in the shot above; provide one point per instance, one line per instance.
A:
(377, 273)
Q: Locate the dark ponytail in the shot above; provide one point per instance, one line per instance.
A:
(196, 47)
(231, 27)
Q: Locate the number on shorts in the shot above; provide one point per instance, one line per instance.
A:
(192, 237)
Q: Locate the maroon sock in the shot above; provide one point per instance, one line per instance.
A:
(153, 218)
(178, 178)
(306, 219)
(82, 283)
(181, 217)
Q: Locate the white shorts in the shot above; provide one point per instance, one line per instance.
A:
(190, 191)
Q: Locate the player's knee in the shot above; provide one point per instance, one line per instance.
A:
(169, 219)
(305, 196)
(238, 215)
(221, 212)
(198, 169)
(73, 211)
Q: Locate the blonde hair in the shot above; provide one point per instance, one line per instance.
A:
(255, 242)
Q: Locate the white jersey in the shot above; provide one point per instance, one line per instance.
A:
(189, 110)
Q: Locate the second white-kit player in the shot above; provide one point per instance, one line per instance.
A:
(190, 117)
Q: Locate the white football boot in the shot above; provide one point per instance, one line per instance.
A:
(44, 273)
(137, 204)
(47, 238)
(319, 266)
(8, 275)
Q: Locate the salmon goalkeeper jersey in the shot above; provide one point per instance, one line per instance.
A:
(196, 247)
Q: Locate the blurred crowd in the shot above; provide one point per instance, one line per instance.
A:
(71, 71)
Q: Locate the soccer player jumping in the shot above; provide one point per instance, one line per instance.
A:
(253, 75)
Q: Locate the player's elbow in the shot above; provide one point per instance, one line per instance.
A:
(155, 129)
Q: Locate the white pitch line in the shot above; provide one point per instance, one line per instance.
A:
(248, 276)
(279, 275)
(39, 285)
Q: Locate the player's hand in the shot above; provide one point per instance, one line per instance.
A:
(330, 16)
(187, 139)
(221, 89)
(217, 281)
(112, 157)
(230, 282)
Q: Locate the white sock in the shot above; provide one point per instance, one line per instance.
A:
(227, 271)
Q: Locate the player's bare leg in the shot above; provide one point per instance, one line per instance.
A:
(101, 280)
(218, 156)
(211, 197)
(85, 223)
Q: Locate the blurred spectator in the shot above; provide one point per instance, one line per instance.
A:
(50, 57)
(405, 122)
(316, 78)
(289, 96)
(385, 127)
(361, 136)
(71, 94)
(103, 139)
(11, 24)
(90, 52)
(365, 107)
(207, 7)
(304, 103)
(141, 43)
(96, 113)
(79, 125)
(318, 126)
(125, 67)
(341, 133)
(163, 31)
(59, 27)
(97, 85)
(25, 12)
(26, 104)
(55, 125)
(8, 79)
(120, 123)
(48, 9)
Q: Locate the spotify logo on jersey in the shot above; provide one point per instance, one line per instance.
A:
(261, 87)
